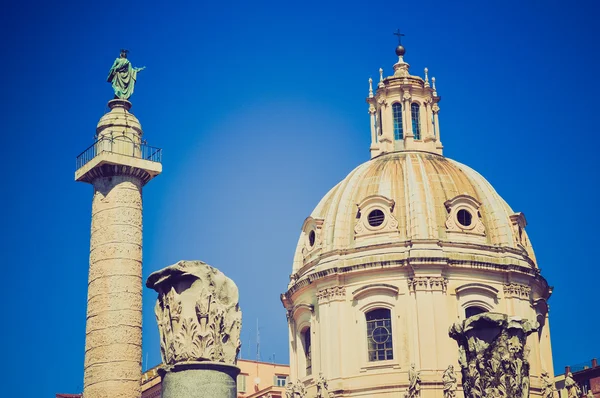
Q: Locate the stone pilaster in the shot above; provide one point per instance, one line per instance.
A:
(114, 306)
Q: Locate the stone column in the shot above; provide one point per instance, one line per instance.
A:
(114, 304)
(199, 323)
(493, 355)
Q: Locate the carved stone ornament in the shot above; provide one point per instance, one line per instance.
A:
(517, 290)
(382, 102)
(198, 314)
(312, 229)
(428, 283)
(435, 108)
(295, 389)
(331, 293)
(547, 385)
(469, 204)
(493, 355)
(414, 382)
(323, 388)
(389, 225)
(573, 389)
(449, 381)
(406, 96)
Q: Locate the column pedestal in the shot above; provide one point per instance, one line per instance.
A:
(199, 380)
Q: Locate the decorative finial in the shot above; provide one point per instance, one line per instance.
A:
(381, 74)
(426, 78)
(370, 88)
(434, 89)
(400, 50)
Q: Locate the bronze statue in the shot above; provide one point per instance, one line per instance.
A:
(123, 76)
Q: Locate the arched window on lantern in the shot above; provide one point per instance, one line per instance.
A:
(379, 334)
(397, 113)
(416, 122)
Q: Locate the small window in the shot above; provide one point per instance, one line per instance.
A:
(474, 310)
(416, 122)
(307, 354)
(397, 114)
(241, 383)
(311, 238)
(380, 123)
(464, 217)
(280, 381)
(376, 218)
(379, 334)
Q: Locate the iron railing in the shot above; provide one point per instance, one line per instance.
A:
(121, 145)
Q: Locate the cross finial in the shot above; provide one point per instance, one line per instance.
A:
(397, 33)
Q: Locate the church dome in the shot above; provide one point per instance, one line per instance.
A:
(404, 246)
(397, 200)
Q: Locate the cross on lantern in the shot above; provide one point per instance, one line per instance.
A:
(397, 33)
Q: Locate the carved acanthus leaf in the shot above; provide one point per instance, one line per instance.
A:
(203, 322)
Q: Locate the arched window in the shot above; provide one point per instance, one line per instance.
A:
(306, 347)
(474, 310)
(379, 334)
(416, 122)
(397, 113)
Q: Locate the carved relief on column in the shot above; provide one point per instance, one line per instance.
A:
(197, 312)
(331, 294)
(517, 290)
(428, 284)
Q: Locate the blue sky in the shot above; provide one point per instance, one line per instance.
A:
(259, 108)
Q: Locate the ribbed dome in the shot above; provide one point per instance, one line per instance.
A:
(419, 190)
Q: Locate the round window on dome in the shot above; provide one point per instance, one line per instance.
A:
(464, 217)
(311, 238)
(376, 218)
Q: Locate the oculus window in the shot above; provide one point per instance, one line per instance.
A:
(379, 334)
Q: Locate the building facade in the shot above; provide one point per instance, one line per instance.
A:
(407, 244)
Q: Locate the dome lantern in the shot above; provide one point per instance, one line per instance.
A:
(404, 111)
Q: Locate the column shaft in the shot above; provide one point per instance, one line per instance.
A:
(113, 347)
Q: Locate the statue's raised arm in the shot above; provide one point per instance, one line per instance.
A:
(123, 75)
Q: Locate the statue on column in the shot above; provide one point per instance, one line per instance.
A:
(573, 390)
(123, 75)
(414, 382)
(449, 380)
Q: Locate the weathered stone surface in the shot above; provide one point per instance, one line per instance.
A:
(114, 389)
(114, 313)
(200, 380)
(104, 353)
(198, 315)
(493, 355)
